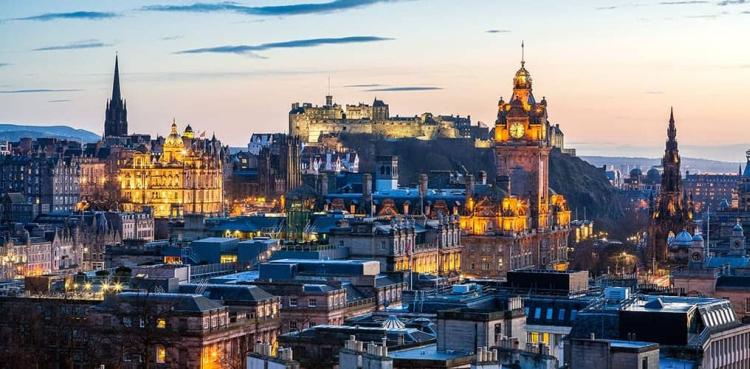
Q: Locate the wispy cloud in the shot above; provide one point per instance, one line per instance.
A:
(83, 44)
(654, 92)
(59, 101)
(366, 85)
(731, 2)
(688, 2)
(85, 15)
(606, 7)
(276, 10)
(404, 88)
(703, 16)
(170, 38)
(497, 31)
(37, 90)
(4, 64)
(746, 12)
(313, 42)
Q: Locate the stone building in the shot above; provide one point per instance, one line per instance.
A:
(403, 243)
(49, 183)
(710, 190)
(672, 211)
(520, 223)
(311, 122)
(185, 177)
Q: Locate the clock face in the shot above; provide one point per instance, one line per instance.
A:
(697, 256)
(737, 244)
(516, 130)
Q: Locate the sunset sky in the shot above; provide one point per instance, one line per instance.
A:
(610, 69)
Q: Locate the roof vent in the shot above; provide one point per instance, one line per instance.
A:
(654, 304)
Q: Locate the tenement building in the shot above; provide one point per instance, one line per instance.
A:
(521, 223)
(184, 177)
(310, 122)
(672, 211)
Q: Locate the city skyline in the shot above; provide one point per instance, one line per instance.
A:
(236, 68)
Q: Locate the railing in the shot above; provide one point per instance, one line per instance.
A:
(212, 269)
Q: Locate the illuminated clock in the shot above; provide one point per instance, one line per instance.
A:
(697, 256)
(516, 130)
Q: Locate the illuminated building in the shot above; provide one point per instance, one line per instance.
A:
(672, 212)
(310, 122)
(521, 223)
(184, 178)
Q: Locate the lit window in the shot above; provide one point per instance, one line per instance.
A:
(537, 313)
(549, 313)
(161, 354)
(312, 303)
(561, 314)
(161, 323)
(293, 301)
(573, 314)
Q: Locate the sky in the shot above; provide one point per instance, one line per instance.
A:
(610, 70)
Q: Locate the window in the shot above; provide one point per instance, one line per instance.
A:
(747, 305)
(644, 363)
(312, 303)
(161, 323)
(292, 325)
(537, 313)
(573, 314)
(549, 314)
(127, 322)
(561, 314)
(293, 301)
(161, 354)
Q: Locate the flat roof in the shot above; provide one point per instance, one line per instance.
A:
(427, 352)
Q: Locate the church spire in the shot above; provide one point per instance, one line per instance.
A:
(116, 82)
(523, 57)
(672, 130)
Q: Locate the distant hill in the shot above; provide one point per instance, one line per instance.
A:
(15, 132)
(693, 165)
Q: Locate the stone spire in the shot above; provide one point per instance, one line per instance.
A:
(116, 117)
(116, 83)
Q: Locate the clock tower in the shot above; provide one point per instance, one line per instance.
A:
(737, 240)
(522, 148)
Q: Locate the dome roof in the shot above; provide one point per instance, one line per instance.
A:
(636, 172)
(698, 237)
(522, 79)
(174, 139)
(392, 322)
(188, 128)
(683, 239)
(738, 227)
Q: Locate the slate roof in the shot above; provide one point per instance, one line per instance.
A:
(178, 301)
(230, 294)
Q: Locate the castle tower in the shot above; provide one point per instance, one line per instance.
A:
(116, 116)
(672, 212)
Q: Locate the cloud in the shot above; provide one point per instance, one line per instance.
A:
(277, 10)
(86, 15)
(703, 16)
(251, 49)
(368, 85)
(404, 88)
(730, 2)
(4, 64)
(746, 12)
(688, 2)
(605, 7)
(170, 38)
(83, 44)
(37, 90)
(655, 92)
(59, 101)
(497, 31)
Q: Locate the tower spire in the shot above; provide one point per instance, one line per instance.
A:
(523, 59)
(116, 83)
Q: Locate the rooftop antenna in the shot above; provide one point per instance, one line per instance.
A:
(523, 59)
